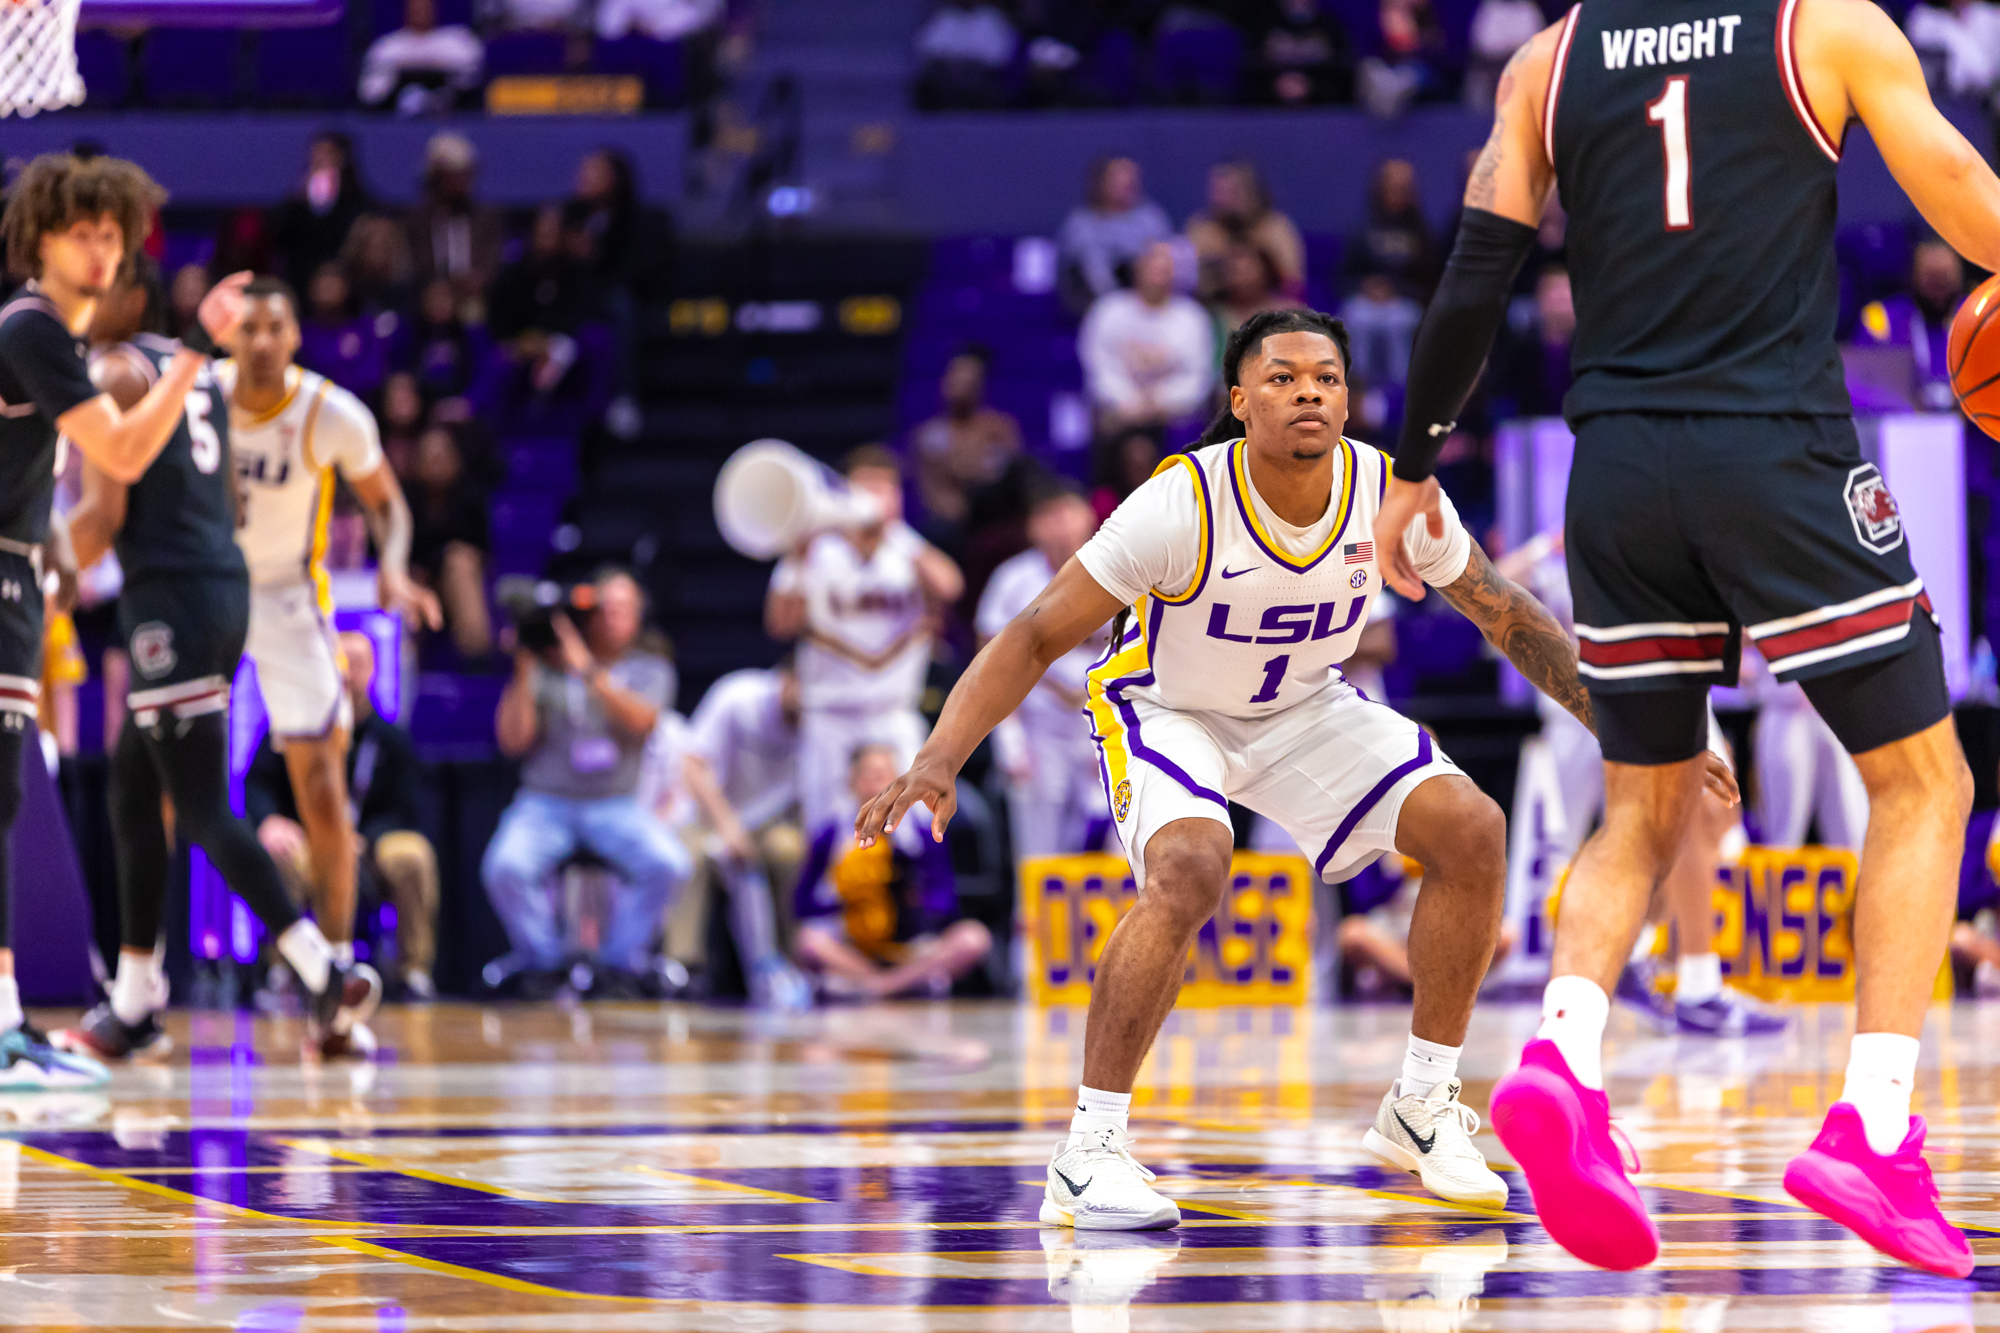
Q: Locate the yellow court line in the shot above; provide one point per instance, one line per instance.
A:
(504, 1283)
(679, 1178)
(326, 1169)
(852, 1265)
(390, 1167)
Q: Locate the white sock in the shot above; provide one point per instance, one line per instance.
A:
(1425, 1065)
(11, 1016)
(1097, 1110)
(1881, 1071)
(308, 952)
(343, 953)
(136, 987)
(1697, 977)
(1574, 1011)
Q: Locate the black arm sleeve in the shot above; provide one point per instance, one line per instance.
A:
(47, 362)
(1457, 333)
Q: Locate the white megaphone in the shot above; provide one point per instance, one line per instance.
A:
(770, 497)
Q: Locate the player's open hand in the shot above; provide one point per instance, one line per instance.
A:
(221, 311)
(409, 599)
(1400, 505)
(1719, 778)
(928, 783)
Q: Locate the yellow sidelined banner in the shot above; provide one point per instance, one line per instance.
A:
(1256, 949)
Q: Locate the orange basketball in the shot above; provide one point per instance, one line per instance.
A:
(1973, 353)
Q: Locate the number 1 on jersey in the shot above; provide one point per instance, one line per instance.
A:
(1274, 676)
(1670, 112)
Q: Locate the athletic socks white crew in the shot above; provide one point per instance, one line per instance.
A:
(1095, 1110)
(11, 1015)
(307, 951)
(137, 987)
(1425, 1065)
(1881, 1070)
(1697, 978)
(1574, 1011)
(343, 954)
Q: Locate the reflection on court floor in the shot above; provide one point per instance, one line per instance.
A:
(878, 1170)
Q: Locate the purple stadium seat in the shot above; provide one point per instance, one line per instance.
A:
(105, 62)
(1198, 64)
(303, 67)
(526, 53)
(190, 66)
(661, 64)
(1111, 71)
(387, 15)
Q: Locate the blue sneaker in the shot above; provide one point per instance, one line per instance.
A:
(1726, 1016)
(29, 1064)
(1635, 988)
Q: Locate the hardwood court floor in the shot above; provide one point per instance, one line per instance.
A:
(627, 1167)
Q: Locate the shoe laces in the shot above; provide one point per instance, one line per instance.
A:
(1628, 1156)
(1111, 1143)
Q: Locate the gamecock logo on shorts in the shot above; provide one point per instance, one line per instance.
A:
(1878, 524)
(1121, 800)
(153, 649)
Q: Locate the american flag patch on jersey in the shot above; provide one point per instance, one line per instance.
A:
(1359, 553)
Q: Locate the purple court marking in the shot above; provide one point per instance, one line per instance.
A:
(1375, 793)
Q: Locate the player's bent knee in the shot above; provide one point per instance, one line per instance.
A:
(1187, 867)
(1456, 832)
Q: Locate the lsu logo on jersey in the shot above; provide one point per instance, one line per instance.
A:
(1878, 524)
(153, 649)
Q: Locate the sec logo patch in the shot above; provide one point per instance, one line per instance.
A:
(1358, 579)
(1121, 800)
(153, 649)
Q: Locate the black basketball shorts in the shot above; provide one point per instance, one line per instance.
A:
(20, 641)
(1687, 534)
(184, 634)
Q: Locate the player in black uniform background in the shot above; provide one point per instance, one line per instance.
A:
(184, 610)
(68, 225)
(1718, 490)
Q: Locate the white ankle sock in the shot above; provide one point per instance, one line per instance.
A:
(1697, 977)
(11, 1016)
(1574, 1011)
(1096, 1110)
(308, 952)
(343, 953)
(1881, 1071)
(1425, 1065)
(136, 988)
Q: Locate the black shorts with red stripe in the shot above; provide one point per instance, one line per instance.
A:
(184, 634)
(1687, 534)
(20, 641)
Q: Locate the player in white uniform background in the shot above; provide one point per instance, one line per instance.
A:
(1240, 576)
(1045, 749)
(863, 607)
(291, 430)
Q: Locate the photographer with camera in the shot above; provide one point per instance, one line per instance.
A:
(577, 713)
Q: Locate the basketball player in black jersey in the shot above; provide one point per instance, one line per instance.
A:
(67, 227)
(1718, 490)
(184, 610)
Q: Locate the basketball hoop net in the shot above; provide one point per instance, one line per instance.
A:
(38, 56)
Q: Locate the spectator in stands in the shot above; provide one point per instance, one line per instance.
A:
(452, 234)
(882, 920)
(346, 346)
(1239, 210)
(422, 68)
(632, 242)
(1382, 322)
(443, 354)
(1499, 28)
(662, 20)
(1959, 41)
(1304, 53)
(1149, 353)
(1921, 320)
(1249, 284)
(1533, 362)
(1123, 462)
(538, 302)
(377, 262)
(963, 51)
(190, 284)
(961, 449)
(451, 539)
(401, 421)
(1103, 235)
(397, 863)
(310, 227)
(578, 717)
(1397, 240)
(1412, 66)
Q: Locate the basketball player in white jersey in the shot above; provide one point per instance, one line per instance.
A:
(290, 430)
(863, 607)
(1045, 748)
(1241, 576)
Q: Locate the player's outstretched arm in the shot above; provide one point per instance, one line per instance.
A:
(389, 520)
(1854, 60)
(1069, 610)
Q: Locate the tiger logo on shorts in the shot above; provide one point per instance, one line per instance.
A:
(1121, 800)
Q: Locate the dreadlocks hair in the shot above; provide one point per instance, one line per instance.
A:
(58, 190)
(1248, 340)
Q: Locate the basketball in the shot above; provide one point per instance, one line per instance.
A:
(1973, 353)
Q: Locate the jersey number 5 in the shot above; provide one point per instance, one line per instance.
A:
(207, 450)
(1670, 112)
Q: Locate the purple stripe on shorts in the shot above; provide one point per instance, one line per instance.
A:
(1375, 794)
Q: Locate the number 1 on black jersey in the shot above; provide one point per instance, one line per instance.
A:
(1670, 112)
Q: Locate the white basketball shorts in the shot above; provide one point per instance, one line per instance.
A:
(298, 662)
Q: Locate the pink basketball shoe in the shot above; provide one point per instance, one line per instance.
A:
(1560, 1134)
(1890, 1202)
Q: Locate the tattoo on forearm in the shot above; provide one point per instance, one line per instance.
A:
(1522, 628)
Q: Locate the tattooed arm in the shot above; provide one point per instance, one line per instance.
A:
(1521, 627)
(1513, 174)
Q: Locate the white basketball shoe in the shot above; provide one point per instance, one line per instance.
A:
(1097, 1186)
(1431, 1138)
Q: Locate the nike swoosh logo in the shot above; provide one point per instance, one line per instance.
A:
(1424, 1145)
(1232, 573)
(1076, 1190)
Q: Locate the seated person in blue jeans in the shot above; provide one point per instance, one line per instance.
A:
(882, 920)
(578, 716)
